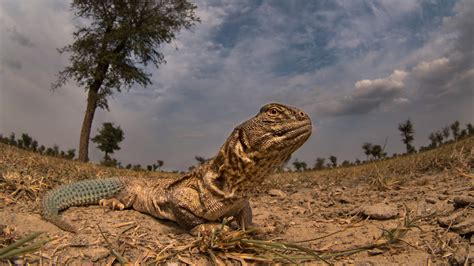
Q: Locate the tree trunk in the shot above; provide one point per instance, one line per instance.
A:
(92, 102)
(92, 99)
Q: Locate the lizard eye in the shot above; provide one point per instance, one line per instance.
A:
(272, 111)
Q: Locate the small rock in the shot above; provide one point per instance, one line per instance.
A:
(465, 227)
(375, 251)
(430, 200)
(98, 254)
(344, 199)
(442, 197)
(454, 218)
(277, 193)
(460, 255)
(380, 211)
(461, 201)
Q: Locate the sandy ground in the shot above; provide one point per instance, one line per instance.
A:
(298, 208)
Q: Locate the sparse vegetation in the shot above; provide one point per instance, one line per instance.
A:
(23, 180)
(108, 140)
(110, 50)
(407, 132)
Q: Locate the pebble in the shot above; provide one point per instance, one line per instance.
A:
(461, 201)
(277, 193)
(442, 197)
(430, 200)
(380, 211)
(375, 251)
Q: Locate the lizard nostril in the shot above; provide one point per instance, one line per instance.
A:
(302, 114)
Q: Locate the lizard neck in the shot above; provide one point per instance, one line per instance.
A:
(234, 172)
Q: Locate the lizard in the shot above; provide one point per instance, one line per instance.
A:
(217, 189)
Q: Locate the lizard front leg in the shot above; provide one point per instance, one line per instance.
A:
(123, 200)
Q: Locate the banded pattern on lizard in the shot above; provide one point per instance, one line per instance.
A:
(219, 188)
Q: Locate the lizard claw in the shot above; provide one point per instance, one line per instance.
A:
(113, 204)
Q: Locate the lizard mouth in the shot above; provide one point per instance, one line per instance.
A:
(294, 130)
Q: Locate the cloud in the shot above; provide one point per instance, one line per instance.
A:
(451, 74)
(377, 59)
(368, 95)
(20, 38)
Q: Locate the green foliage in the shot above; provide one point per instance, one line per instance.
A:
(12, 139)
(34, 145)
(26, 139)
(346, 163)
(333, 160)
(110, 162)
(200, 159)
(118, 39)
(157, 166)
(407, 132)
(367, 147)
(71, 153)
(300, 165)
(455, 129)
(108, 138)
(377, 152)
(319, 165)
(470, 129)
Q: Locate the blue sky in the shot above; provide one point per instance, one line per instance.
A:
(357, 67)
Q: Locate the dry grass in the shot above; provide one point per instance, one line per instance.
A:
(25, 176)
(457, 157)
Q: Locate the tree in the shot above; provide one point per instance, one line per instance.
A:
(407, 134)
(446, 133)
(367, 147)
(27, 140)
(300, 165)
(333, 160)
(200, 159)
(433, 139)
(12, 139)
(455, 129)
(158, 165)
(41, 149)
(34, 145)
(55, 150)
(346, 163)
(319, 165)
(470, 129)
(71, 153)
(439, 137)
(377, 152)
(111, 49)
(108, 139)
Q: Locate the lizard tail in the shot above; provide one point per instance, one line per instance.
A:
(85, 192)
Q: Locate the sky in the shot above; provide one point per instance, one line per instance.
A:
(358, 68)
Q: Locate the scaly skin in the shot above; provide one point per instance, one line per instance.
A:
(217, 189)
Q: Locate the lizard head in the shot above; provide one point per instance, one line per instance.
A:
(274, 133)
(256, 148)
